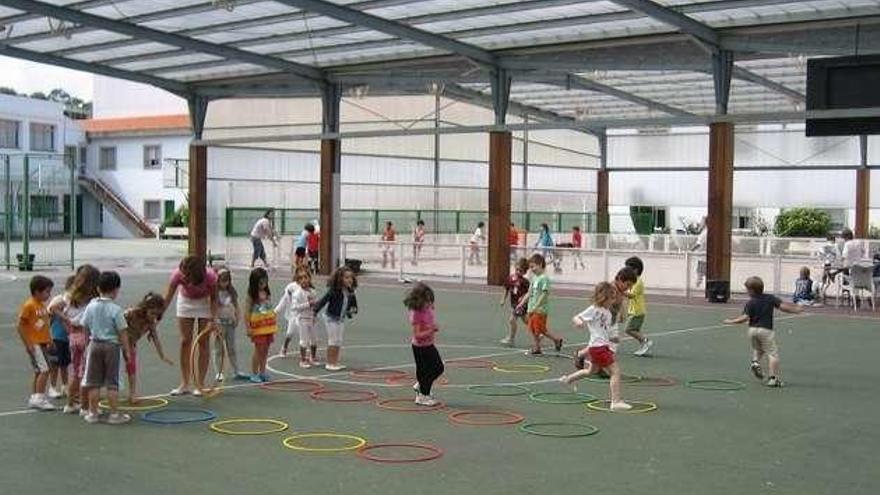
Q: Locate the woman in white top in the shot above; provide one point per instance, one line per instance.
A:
(476, 239)
(262, 230)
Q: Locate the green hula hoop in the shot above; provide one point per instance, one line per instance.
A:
(535, 429)
(498, 390)
(562, 397)
(638, 406)
(715, 384)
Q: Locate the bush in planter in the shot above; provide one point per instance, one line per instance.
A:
(180, 218)
(803, 222)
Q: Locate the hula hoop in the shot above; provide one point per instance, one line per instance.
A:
(432, 452)
(400, 381)
(199, 381)
(159, 403)
(655, 381)
(562, 398)
(715, 384)
(292, 386)
(380, 375)
(469, 363)
(521, 368)
(511, 418)
(638, 406)
(357, 442)
(347, 395)
(277, 426)
(623, 379)
(535, 429)
(415, 408)
(200, 415)
(498, 390)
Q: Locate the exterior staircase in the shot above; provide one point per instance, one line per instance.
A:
(120, 209)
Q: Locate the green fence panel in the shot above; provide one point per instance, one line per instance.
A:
(357, 222)
(468, 221)
(293, 221)
(404, 220)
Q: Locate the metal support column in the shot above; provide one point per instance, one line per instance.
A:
(722, 72)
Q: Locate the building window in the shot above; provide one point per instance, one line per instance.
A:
(107, 158)
(152, 157)
(8, 134)
(83, 156)
(42, 137)
(153, 211)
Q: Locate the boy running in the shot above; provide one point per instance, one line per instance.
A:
(536, 305)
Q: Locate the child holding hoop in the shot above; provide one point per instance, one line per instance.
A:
(262, 322)
(603, 342)
(341, 303)
(516, 287)
(142, 320)
(228, 316)
(429, 366)
(296, 306)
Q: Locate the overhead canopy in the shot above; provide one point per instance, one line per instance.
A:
(570, 60)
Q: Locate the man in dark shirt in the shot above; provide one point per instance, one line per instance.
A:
(759, 313)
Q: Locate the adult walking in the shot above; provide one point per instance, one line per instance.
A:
(262, 229)
(196, 310)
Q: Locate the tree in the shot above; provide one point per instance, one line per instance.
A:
(39, 95)
(803, 222)
(7, 91)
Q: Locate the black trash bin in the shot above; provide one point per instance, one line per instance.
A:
(25, 266)
(718, 291)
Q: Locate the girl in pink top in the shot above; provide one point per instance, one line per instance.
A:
(429, 365)
(196, 307)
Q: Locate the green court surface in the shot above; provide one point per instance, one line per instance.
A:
(817, 435)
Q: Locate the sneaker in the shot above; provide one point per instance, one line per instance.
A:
(416, 387)
(534, 352)
(197, 392)
(334, 367)
(426, 400)
(265, 377)
(620, 406)
(83, 413)
(255, 379)
(756, 370)
(645, 348)
(774, 382)
(305, 364)
(506, 341)
(91, 418)
(558, 345)
(54, 394)
(242, 376)
(220, 377)
(44, 404)
(315, 363)
(118, 418)
(68, 409)
(33, 401)
(178, 391)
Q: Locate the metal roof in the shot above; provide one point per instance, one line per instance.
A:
(604, 60)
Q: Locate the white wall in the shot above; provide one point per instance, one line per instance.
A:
(30, 110)
(118, 98)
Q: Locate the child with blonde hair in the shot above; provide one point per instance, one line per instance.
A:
(296, 306)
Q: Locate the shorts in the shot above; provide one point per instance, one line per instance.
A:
(265, 339)
(313, 254)
(77, 355)
(764, 341)
(62, 353)
(131, 362)
(335, 332)
(259, 249)
(634, 323)
(39, 356)
(102, 365)
(193, 308)
(601, 357)
(537, 323)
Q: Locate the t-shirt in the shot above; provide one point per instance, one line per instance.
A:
(313, 242)
(58, 330)
(225, 305)
(540, 285)
(419, 234)
(637, 305)
(803, 290)
(263, 228)
(423, 317)
(576, 239)
(302, 240)
(545, 239)
(760, 310)
(201, 291)
(33, 318)
(517, 287)
(139, 324)
(853, 251)
(262, 320)
(104, 319)
(389, 235)
(478, 236)
(513, 237)
(601, 326)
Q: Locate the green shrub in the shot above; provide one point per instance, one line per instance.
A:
(180, 218)
(874, 232)
(803, 222)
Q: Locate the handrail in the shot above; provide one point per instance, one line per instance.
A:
(118, 202)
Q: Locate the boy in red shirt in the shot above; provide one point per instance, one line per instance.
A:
(515, 288)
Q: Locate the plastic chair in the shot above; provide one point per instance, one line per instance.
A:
(861, 277)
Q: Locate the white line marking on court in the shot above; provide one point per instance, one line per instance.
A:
(18, 412)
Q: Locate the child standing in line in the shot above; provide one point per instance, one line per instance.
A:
(637, 308)
(105, 322)
(429, 364)
(262, 322)
(228, 316)
(33, 328)
(341, 303)
(62, 346)
(389, 237)
(759, 313)
(418, 241)
(142, 320)
(803, 289)
(296, 306)
(577, 242)
(516, 287)
(602, 344)
(536, 306)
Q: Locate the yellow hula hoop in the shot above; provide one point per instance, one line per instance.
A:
(212, 328)
(159, 403)
(277, 426)
(638, 406)
(521, 368)
(357, 442)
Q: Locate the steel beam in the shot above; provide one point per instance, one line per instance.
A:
(583, 83)
(722, 65)
(747, 75)
(672, 17)
(198, 111)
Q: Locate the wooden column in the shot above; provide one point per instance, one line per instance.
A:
(863, 202)
(198, 195)
(720, 201)
(602, 219)
(499, 207)
(330, 190)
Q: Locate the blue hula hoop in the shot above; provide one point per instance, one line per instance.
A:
(199, 415)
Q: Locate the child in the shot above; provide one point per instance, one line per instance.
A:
(313, 247)
(389, 236)
(418, 240)
(803, 289)
(141, 320)
(262, 323)
(105, 322)
(341, 303)
(637, 308)
(296, 306)
(228, 316)
(62, 346)
(602, 344)
(536, 305)
(516, 287)
(476, 239)
(759, 313)
(429, 365)
(577, 242)
(33, 328)
(624, 280)
(301, 244)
